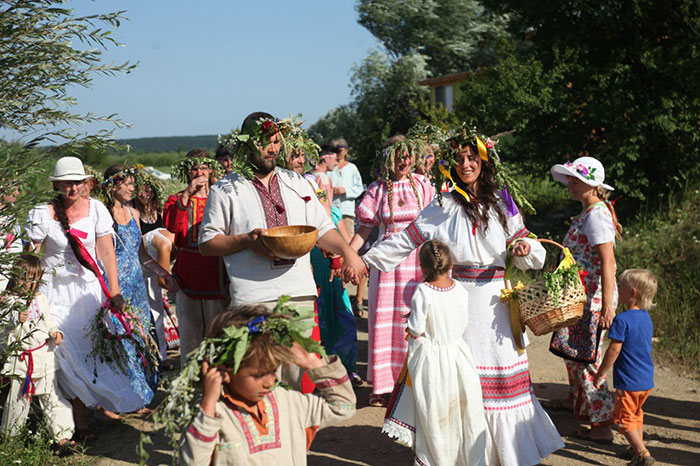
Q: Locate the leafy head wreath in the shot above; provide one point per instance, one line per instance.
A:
(286, 325)
(255, 134)
(180, 169)
(143, 178)
(433, 137)
(298, 140)
(486, 148)
(385, 163)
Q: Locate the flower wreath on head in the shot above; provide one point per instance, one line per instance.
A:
(145, 178)
(97, 176)
(511, 190)
(433, 136)
(180, 169)
(385, 163)
(293, 138)
(109, 183)
(286, 324)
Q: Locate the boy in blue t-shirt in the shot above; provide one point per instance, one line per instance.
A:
(630, 351)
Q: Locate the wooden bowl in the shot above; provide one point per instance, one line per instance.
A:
(291, 241)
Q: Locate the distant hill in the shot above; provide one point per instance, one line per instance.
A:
(171, 143)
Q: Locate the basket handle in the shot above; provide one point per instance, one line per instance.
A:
(509, 258)
(543, 240)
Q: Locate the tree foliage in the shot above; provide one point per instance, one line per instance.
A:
(420, 39)
(385, 97)
(452, 35)
(44, 51)
(610, 79)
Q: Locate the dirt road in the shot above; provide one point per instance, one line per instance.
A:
(672, 424)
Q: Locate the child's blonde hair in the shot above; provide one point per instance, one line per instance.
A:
(435, 259)
(263, 352)
(27, 269)
(644, 282)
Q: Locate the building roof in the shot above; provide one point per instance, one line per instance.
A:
(447, 79)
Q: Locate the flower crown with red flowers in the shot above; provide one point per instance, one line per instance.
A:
(293, 139)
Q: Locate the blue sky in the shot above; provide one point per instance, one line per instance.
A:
(203, 66)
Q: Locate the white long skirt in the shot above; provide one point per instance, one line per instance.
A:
(74, 303)
(519, 431)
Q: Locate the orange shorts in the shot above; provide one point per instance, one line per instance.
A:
(628, 409)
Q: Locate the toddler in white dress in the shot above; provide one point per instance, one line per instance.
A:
(32, 363)
(437, 405)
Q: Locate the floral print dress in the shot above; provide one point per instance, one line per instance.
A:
(133, 288)
(580, 344)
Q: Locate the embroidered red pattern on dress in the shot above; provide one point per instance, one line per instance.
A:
(415, 235)
(522, 233)
(200, 436)
(257, 442)
(476, 273)
(332, 382)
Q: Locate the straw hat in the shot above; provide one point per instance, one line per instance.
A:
(586, 169)
(69, 169)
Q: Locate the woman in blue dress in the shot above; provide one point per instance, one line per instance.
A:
(119, 189)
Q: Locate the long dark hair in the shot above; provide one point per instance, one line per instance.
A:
(487, 197)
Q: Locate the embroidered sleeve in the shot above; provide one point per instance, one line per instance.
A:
(389, 253)
(336, 402)
(517, 231)
(198, 442)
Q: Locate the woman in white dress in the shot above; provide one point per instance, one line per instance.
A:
(73, 290)
(481, 227)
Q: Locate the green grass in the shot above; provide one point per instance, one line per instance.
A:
(33, 447)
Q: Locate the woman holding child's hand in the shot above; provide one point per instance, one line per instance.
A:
(591, 239)
(479, 221)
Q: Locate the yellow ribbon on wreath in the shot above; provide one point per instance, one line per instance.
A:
(481, 147)
(457, 188)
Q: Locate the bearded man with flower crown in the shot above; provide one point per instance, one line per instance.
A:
(257, 195)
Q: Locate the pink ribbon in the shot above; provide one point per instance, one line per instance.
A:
(78, 235)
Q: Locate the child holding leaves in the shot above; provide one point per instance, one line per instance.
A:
(244, 417)
(33, 363)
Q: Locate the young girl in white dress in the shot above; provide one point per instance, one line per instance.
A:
(437, 405)
(31, 339)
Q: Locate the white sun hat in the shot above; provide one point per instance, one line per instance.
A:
(586, 169)
(69, 169)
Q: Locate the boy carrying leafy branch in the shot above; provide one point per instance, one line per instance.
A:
(244, 417)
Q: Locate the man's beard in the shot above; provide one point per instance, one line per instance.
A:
(259, 164)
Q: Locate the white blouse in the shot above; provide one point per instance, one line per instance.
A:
(59, 259)
(469, 246)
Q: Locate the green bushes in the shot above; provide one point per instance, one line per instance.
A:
(667, 242)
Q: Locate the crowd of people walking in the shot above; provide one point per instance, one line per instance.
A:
(434, 231)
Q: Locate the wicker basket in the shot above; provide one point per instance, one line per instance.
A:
(538, 312)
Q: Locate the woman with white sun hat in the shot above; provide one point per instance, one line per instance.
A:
(72, 231)
(591, 239)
